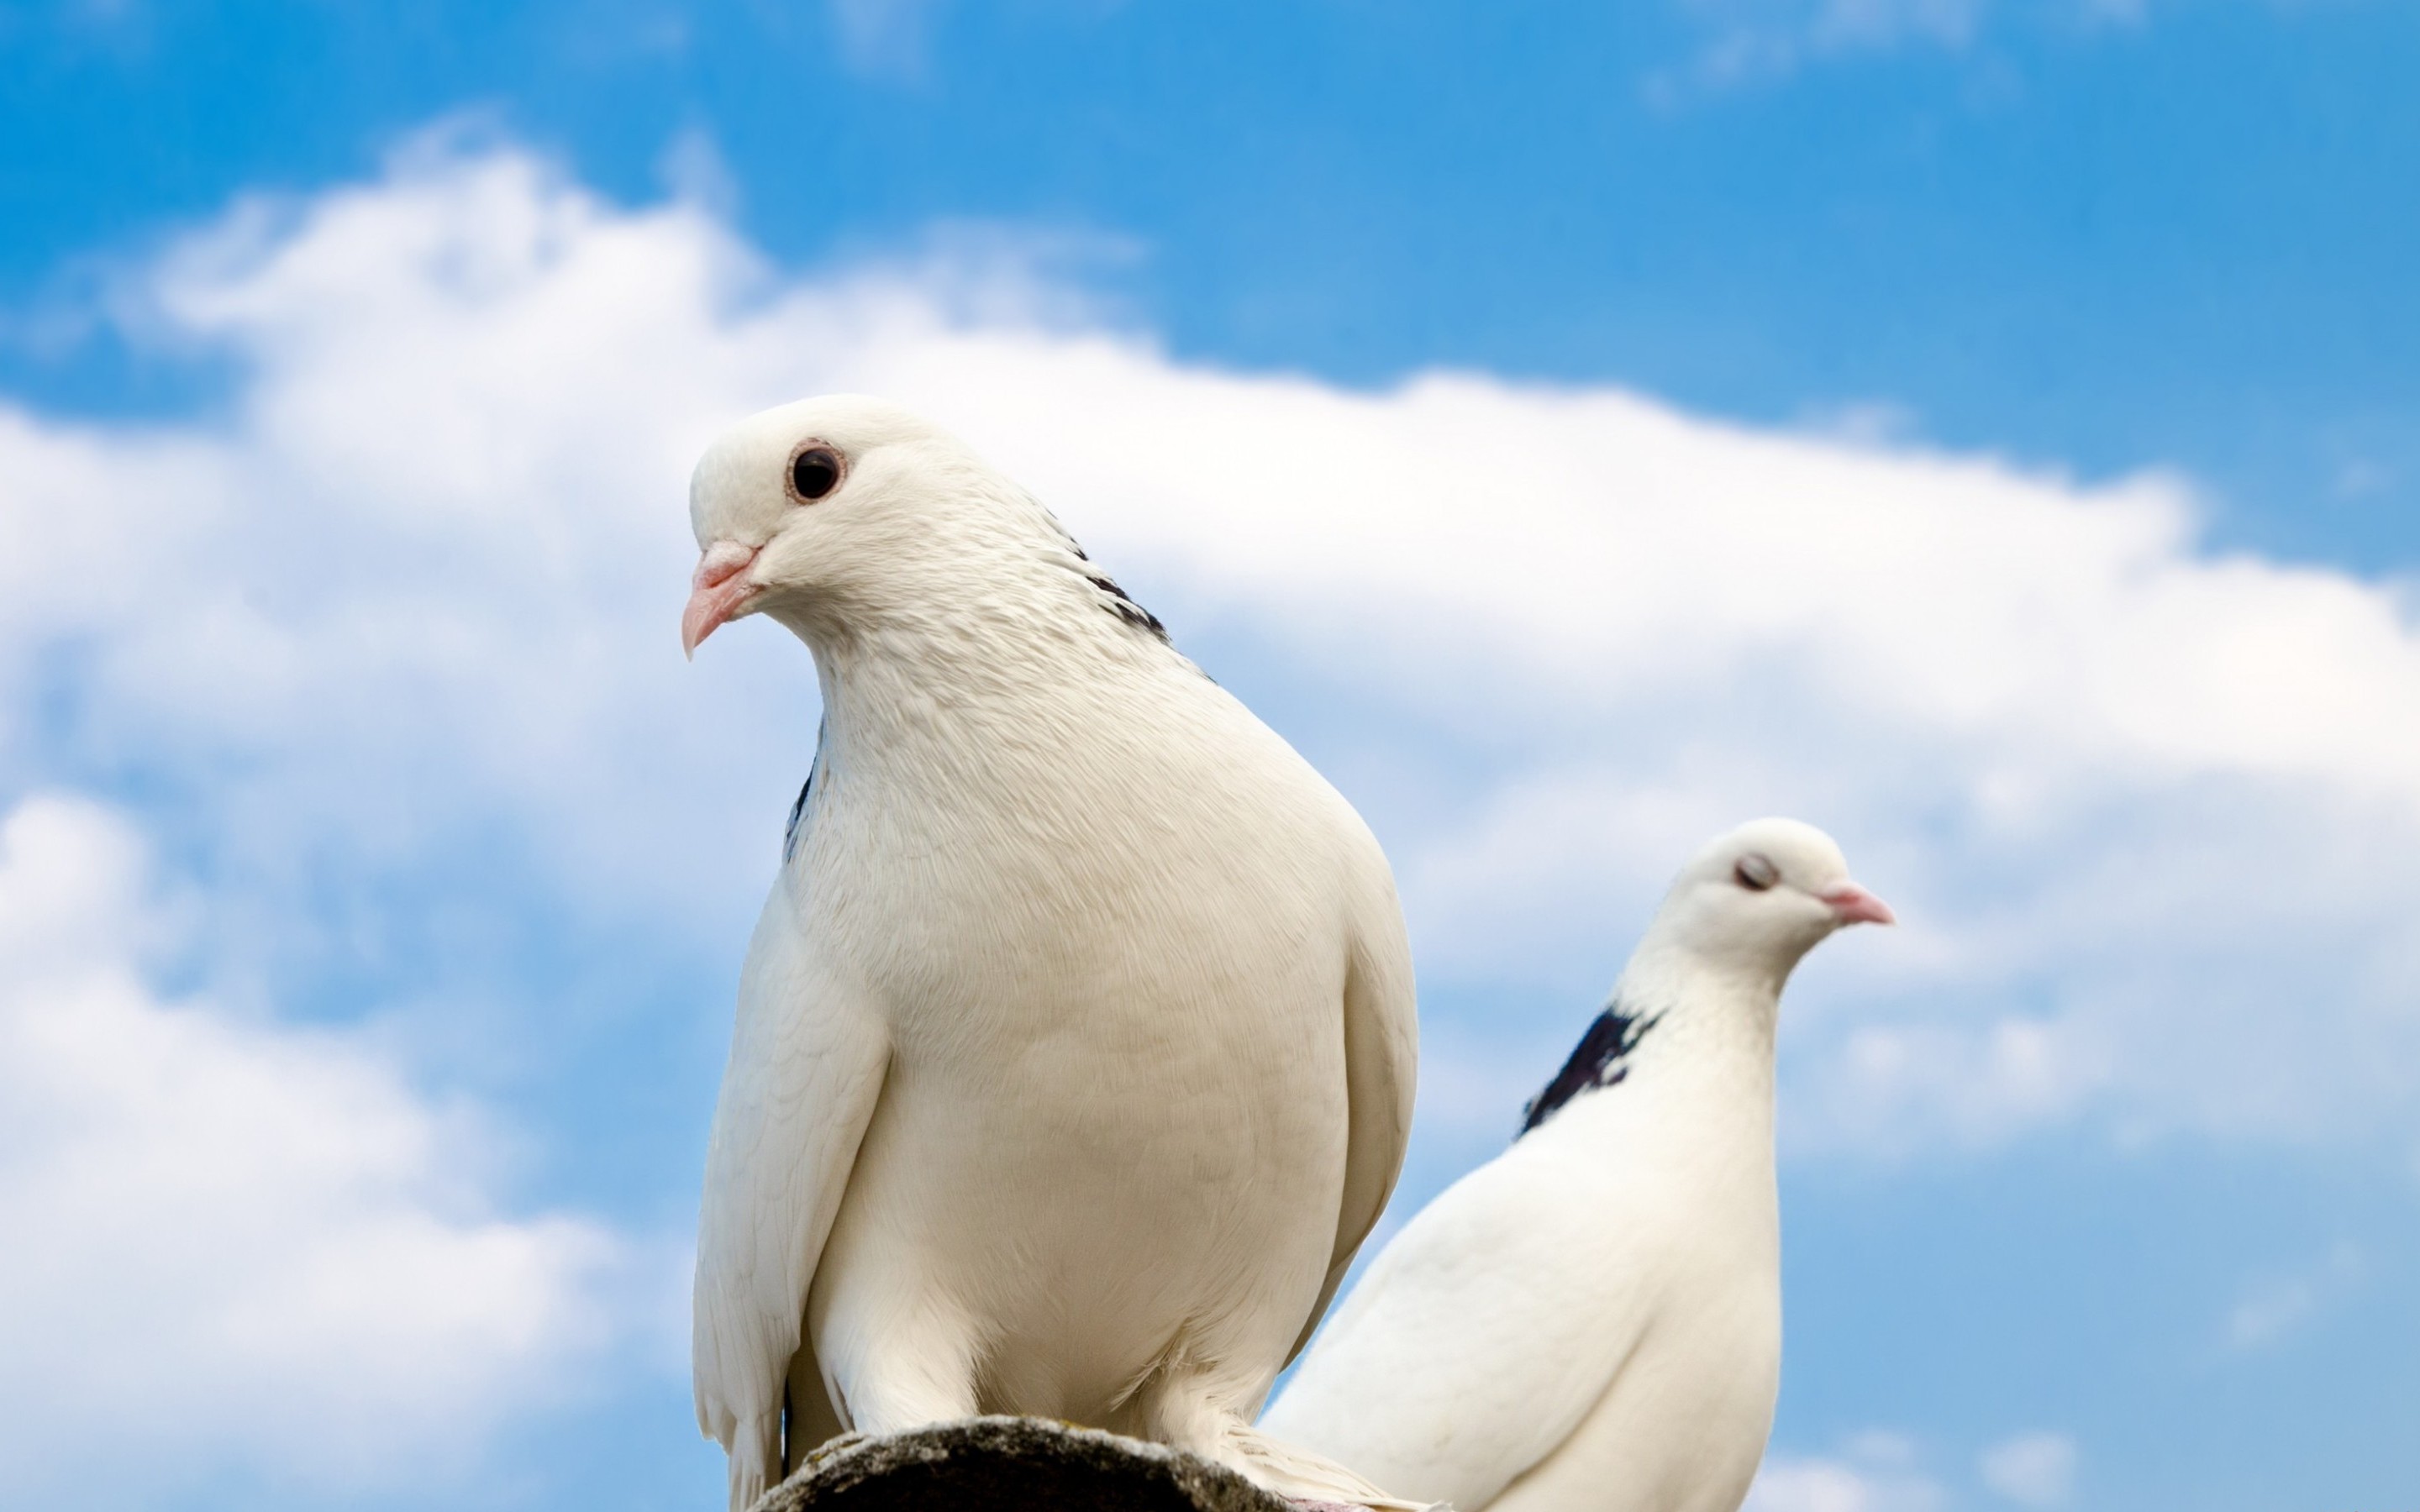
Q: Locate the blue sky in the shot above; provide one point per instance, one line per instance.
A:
(1987, 430)
(2094, 232)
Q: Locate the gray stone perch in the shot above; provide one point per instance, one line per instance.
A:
(1013, 1464)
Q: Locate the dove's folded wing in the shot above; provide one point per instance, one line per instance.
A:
(1462, 1360)
(1381, 1058)
(806, 1071)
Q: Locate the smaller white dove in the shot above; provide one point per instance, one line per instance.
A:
(1592, 1319)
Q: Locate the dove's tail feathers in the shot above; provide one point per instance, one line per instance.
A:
(1301, 1476)
(756, 1459)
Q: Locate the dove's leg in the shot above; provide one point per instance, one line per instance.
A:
(898, 1391)
(807, 1416)
(1196, 1412)
(1192, 1410)
(900, 1357)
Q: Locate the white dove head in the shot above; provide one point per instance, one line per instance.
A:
(1761, 897)
(828, 510)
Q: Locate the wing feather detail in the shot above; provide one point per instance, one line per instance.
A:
(806, 1065)
(1381, 1060)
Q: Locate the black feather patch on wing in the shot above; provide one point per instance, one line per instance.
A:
(1602, 1059)
(1119, 604)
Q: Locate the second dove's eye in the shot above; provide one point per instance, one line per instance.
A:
(1755, 874)
(814, 472)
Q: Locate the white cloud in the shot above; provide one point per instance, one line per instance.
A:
(231, 1244)
(2031, 1469)
(414, 589)
(1874, 1471)
(885, 39)
(2276, 1307)
(1751, 41)
(1889, 1085)
(1880, 1470)
(410, 598)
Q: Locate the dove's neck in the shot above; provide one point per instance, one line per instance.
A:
(1714, 1024)
(1019, 677)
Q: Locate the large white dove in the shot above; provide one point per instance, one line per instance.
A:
(1074, 1045)
(1592, 1320)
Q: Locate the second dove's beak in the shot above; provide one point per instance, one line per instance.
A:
(716, 591)
(1852, 904)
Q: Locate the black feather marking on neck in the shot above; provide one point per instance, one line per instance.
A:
(1065, 535)
(1122, 605)
(1601, 1059)
(799, 807)
(798, 811)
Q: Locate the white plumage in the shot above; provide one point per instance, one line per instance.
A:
(1592, 1320)
(1074, 1045)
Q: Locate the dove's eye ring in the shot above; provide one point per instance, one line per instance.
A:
(1755, 874)
(816, 470)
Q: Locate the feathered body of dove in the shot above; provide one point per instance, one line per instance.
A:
(1592, 1321)
(1074, 1053)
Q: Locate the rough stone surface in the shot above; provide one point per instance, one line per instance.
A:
(1012, 1464)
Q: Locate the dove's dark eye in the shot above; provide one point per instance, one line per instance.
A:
(1755, 874)
(814, 472)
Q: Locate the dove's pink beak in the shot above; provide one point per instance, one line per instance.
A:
(1852, 904)
(716, 593)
